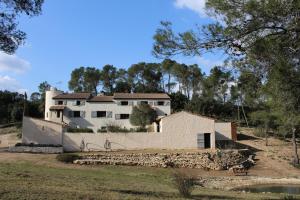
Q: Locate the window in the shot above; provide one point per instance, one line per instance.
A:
(76, 114)
(124, 103)
(124, 116)
(58, 114)
(144, 102)
(60, 103)
(103, 127)
(101, 113)
(160, 103)
(77, 103)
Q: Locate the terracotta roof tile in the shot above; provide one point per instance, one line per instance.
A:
(58, 107)
(79, 95)
(101, 99)
(141, 96)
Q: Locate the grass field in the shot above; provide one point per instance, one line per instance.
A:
(31, 180)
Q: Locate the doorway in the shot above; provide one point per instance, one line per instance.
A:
(203, 140)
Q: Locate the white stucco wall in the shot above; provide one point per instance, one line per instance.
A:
(185, 126)
(41, 131)
(223, 131)
(49, 101)
(178, 131)
(96, 123)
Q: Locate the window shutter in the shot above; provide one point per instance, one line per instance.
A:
(155, 103)
(167, 103)
(119, 103)
(130, 103)
(94, 114)
(117, 116)
(108, 114)
(150, 103)
(70, 114)
(82, 103)
(82, 114)
(138, 103)
(56, 103)
(65, 102)
(74, 103)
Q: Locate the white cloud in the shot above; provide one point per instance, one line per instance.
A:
(11, 84)
(208, 63)
(197, 6)
(13, 63)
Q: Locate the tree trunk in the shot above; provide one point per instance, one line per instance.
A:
(244, 112)
(266, 134)
(169, 80)
(296, 157)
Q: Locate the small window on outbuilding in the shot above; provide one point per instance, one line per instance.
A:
(77, 103)
(60, 102)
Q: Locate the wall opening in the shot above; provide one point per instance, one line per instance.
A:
(203, 140)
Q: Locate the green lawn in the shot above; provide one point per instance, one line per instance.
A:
(26, 180)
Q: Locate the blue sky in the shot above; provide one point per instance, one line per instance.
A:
(71, 33)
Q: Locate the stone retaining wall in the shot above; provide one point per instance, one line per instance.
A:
(26, 149)
(214, 160)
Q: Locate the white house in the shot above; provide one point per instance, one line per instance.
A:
(83, 110)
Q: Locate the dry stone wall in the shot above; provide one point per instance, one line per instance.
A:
(213, 160)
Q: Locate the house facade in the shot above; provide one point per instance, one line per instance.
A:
(83, 110)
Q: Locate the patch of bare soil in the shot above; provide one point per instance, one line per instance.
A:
(272, 160)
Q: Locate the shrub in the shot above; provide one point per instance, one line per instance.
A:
(259, 132)
(115, 128)
(80, 130)
(67, 158)
(142, 115)
(184, 183)
(140, 129)
(37, 145)
(101, 131)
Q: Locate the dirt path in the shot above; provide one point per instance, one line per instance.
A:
(272, 160)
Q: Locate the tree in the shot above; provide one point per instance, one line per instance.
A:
(265, 120)
(145, 77)
(85, 79)
(35, 96)
(178, 101)
(167, 68)
(263, 33)
(142, 115)
(10, 37)
(109, 77)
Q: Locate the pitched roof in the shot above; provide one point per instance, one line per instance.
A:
(186, 112)
(101, 99)
(79, 95)
(141, 96)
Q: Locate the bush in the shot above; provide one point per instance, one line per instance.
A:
(80, 130)
(114, 128)
(101, 131)
(259, 132)
(67, 158)
(184, 184)
(140, 129)
(37, 145)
